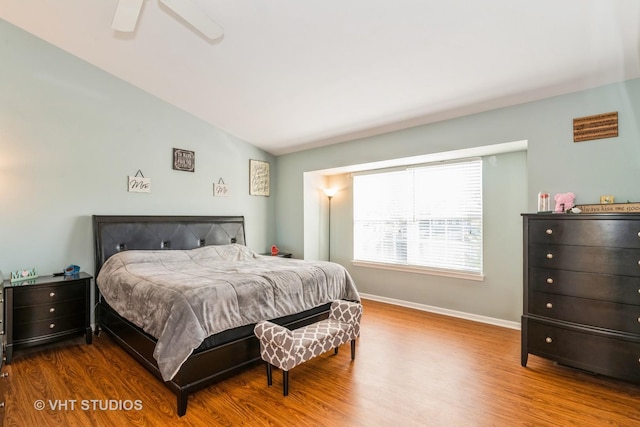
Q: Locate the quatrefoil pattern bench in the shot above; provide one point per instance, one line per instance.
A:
(286, 349)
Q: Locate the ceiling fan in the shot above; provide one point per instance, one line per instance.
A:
(127, 13)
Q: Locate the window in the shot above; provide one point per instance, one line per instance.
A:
(427, 217)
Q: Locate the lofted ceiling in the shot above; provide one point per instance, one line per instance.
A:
(294, 74)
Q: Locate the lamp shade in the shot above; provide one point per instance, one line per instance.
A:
(330, 192)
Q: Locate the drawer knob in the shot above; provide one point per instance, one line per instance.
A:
(550, 256)
(52, 294)
(550, 231)
(52, 325)
(550, 281)
(52, 310)
(549, 305)
(4, 375)
(549, 340)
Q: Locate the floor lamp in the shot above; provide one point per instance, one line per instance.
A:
(330, 192)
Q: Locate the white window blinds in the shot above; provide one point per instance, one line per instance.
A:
(429, 216)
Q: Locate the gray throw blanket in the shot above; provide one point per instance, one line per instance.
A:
(181, 297)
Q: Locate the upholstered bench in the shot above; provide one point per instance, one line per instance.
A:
(286, 349)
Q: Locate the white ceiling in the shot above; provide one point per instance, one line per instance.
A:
(295, 74)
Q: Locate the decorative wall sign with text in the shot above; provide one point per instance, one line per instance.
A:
(220, 189)
(139, 184)
(595, 127)
(184, 160)
(258, 178)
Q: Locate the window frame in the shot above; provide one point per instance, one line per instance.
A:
(477, 275)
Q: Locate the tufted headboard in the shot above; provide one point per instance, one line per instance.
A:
(118, 233)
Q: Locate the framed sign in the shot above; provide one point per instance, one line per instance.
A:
(258, 178)
(184, 160)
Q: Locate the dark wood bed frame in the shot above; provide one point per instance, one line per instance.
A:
(113, 234)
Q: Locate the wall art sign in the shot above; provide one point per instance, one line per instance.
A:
(595, 127)
(184, 160)
(258, 178)
(220, 189)
(139, 184)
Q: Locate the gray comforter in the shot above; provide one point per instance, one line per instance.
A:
(182, 296)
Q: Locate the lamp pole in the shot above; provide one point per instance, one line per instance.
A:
(329, 239)
(329, 192)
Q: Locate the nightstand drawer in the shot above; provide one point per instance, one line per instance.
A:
(28, 296)
(52, 310)
(43, 328)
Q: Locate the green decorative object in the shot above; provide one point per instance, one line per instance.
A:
(20, 275)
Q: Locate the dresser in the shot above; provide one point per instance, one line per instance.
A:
(45, 310)
(582, 292)
(3, 373)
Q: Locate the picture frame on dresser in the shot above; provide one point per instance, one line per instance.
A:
(581, 299)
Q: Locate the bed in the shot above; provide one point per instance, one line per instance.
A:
(181, 295)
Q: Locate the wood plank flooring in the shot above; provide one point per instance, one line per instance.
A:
(411, 369)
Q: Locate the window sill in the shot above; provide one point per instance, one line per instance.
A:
(419, 270)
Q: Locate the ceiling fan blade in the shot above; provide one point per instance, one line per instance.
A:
(126, 15)
(195, 16)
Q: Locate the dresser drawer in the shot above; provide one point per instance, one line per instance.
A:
(603, 354)
(620, 233)
(52, 310)
(43, 294)
(43, 328)
(589, 259)
(601, 314)
(607, 287)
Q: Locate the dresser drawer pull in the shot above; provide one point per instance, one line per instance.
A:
(550, 281)
(549, 256)
(52, 294)
(4, 375)
(52, 325)
(52, 310)
(550, 231)
(549, 340)
(549, 305)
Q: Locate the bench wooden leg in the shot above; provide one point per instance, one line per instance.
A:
(353, 349)
(269, 377)
(335, 350)
(285, 383)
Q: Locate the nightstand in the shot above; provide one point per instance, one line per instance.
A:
(45, 310)
(280, 254)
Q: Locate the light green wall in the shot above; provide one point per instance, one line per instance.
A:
(70, 134)
(553, 163)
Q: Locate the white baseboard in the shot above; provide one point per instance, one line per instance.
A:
(444, 311)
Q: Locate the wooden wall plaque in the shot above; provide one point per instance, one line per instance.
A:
(595, 127)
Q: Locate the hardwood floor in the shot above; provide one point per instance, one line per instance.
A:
(411, 368)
